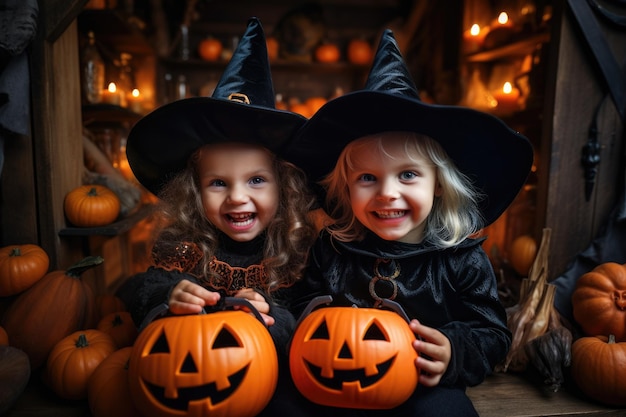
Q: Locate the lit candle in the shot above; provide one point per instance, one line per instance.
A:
(473, 38)
(503, 21)
(111, 95)
(507, 98)
(135, 101)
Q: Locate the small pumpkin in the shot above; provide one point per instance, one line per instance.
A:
(598, 365)
(210, 49)
(14, 376)
(599, 301)
(219, 364)
(107, 388)
(522, 254)
(314, 103)
(91, 206)
(354, 358)
(359, 51)
(327, 52)
(120, 327)
(54, 307)
(73, 359)
(303, 109)
(20, 267)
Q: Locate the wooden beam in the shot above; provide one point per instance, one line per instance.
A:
(56, 125)
(57, 15)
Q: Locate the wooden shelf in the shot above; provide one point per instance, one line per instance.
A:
(114, 229)
(519, 48)
(108, 113)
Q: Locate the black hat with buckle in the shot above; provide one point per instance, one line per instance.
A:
(496, 158)
(241, 109)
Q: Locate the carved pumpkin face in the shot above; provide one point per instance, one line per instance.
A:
(354, 358)
(218, 364)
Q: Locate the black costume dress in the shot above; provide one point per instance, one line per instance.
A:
(453, 290)
(239, 265)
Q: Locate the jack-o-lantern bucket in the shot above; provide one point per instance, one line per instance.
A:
(354, 357)
(221, 364)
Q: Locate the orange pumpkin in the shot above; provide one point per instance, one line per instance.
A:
(359, 51)
(219, 364)
(73, 360)
(598, 365)
(314, 103)
(107, 388)
(354, 358)
(327, 52)
(599, 301)
(55, 306)
(522, 254)
(20, 267)
(91, 206)
(301, 108)
(210, 49)
(120, 327)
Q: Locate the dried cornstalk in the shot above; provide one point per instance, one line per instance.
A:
(523, 320)
(539, 338)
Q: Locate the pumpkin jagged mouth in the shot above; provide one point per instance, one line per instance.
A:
(350, 375)
(198, 393)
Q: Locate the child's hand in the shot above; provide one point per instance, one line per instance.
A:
(258, 302)
(436, 346)
(189, 298)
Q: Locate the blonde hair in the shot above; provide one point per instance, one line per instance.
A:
(288, 236)
(455, 214)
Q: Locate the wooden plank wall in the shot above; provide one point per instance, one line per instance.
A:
(578, 87)
(57, 127)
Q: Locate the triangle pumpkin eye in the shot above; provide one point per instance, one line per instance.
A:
(189, 366)
(225, 339)
(375, 332)
(321, 332)
(161, 345)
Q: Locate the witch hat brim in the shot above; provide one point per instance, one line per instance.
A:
(241, 109)
(496, 158)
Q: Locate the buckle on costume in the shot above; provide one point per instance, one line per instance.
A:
(240, 97)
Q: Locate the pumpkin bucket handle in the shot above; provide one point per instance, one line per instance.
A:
(313, 304)
(395, 307)
(242, 302)
(327, 299)
(162, 309)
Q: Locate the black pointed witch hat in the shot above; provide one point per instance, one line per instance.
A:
(496, 158)
(241, 109)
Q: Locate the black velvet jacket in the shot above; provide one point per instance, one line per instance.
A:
(152, 288)
(453, 290)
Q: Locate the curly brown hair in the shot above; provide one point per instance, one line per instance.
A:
(289, 235)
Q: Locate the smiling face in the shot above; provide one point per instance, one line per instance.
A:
(220, 364)
(391, 191)
(354, 358)
(239, 188)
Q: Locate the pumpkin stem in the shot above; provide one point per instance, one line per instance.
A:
(83, 265)
(611, 339)
(82, 341)
(16, 251)
(92, 192)
(117, 321)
